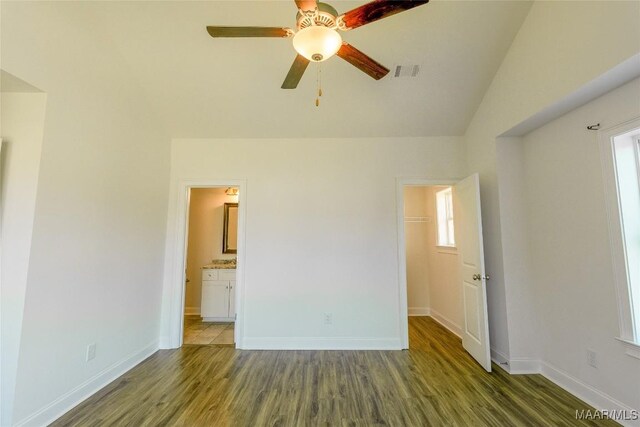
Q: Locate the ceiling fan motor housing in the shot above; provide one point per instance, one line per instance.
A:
(325, 16)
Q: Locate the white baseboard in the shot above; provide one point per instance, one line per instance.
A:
(500, 359)
(320, 343)
(218, 319)
(446, 322)
(192, 311)
(73, 398)
(590, 395)
(419, 311)
(523, 365)
(166, 343)
(515, 365)
(594, 397)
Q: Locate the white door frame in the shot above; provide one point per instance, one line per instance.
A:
(402, 253)
(180, 256)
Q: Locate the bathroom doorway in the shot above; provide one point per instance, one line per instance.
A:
(210, 266)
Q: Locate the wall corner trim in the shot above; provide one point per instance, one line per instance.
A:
(74, 397)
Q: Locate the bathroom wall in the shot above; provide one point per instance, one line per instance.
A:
(206, 216)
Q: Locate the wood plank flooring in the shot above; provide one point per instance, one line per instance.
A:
(435, 383)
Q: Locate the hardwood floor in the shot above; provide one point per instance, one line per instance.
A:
(435, 383)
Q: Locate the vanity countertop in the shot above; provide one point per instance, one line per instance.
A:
(221, 264)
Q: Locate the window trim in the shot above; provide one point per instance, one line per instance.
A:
(452, 246)
(629, 339)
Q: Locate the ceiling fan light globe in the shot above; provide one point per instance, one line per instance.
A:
(317, 43)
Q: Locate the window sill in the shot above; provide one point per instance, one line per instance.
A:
(447, 249)
(632, 348)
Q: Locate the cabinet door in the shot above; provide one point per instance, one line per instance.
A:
(232, 299)
(215, 299)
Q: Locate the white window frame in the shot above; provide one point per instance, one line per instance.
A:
(628, 337)
(445, 197)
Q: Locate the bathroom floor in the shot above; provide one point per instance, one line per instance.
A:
(207, 333)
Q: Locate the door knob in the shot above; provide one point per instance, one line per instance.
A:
(476, 277)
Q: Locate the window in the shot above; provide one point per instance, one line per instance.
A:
(444, 211)
(621, 163)
(627, 164)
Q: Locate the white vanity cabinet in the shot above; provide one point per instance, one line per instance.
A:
(218, 295)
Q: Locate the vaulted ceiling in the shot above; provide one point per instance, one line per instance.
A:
(205, 87)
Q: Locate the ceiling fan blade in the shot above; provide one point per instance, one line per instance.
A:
(361, 61)
(249, 31)
(306, 4)
(295, 72)
(376, 10)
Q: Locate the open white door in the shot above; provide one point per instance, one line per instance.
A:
(468, 219)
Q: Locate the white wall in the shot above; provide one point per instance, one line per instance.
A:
(22, 122)
(416, 228)
(514, 213)
(96, 254)
(445, 283)
(206, 216)
(551, 57)
(321, 231)
(570, 250)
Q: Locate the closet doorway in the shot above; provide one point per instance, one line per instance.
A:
(441, 263)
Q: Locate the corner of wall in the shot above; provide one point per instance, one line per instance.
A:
(61, 405)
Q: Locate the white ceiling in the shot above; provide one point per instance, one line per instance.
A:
(205, 87)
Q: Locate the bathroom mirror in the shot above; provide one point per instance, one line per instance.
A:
(230, 229)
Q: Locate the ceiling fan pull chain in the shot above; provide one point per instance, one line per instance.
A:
(319, 83)
(319, 79)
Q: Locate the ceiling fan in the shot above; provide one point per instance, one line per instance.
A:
(316, 38)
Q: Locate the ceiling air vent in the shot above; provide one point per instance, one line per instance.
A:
(406, 70)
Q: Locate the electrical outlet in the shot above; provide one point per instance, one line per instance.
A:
(91, 351)
(592, 358)
(328, 318)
